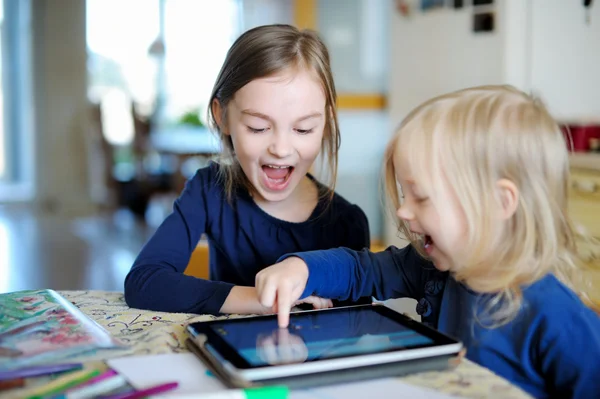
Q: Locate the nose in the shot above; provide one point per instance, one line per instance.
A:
(405, 213)
(281, 144)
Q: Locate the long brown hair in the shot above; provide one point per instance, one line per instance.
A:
(265, 51)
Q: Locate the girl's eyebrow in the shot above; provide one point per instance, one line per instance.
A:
(310, 116)
(257, 114)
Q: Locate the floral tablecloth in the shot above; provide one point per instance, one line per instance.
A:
(149, 332)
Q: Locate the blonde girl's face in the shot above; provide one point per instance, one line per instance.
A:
(277, 125)
(434, 214)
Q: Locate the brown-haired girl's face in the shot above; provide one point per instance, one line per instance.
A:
(276, 126)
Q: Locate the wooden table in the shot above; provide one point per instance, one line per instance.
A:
(149, 332)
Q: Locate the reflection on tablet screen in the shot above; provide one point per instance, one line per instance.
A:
(318, 335)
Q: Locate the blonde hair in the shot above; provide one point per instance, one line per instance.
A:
(476, 137)
(265, 51)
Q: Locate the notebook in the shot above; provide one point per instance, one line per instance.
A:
(40, 326)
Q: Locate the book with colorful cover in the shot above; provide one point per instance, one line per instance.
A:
(40, 326)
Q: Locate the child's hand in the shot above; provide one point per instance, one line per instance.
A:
(280, 286)
(316, 301)
(244, 300)
(455, 361)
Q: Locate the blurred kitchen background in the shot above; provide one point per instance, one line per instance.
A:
(103, 106)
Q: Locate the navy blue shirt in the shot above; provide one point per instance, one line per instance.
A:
(243, 239)
(550, 349)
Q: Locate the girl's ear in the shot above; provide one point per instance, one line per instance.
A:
(508, 193)
(217, 111)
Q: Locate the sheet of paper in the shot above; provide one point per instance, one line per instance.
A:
(149, 370)
(191, 374)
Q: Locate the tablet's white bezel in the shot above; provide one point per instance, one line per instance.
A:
(288, 370)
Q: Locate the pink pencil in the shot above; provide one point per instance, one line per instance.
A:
(146, 392)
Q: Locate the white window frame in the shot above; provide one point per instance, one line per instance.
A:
(18, 184)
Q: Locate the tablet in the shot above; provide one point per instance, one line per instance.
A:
(254, 348)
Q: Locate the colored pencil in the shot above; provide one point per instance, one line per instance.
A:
(38, 370)
(63, 383)
(103, 387)
(146, 392)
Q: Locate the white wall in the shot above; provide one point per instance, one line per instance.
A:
(436, 52)
(565, 58)
(539, 46)
(517, 48)
(543, 46)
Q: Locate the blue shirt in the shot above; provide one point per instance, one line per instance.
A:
(243, 239)
(550, 349)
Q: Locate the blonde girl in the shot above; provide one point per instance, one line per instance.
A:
(479, 182)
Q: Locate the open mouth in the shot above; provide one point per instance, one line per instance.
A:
(277, 177)
(428, 243)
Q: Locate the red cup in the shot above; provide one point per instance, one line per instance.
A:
(580, 135)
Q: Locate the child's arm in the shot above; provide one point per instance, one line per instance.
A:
(156, 280)
(341, 274)
(244, 300)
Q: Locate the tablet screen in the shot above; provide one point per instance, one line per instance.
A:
(319, 335)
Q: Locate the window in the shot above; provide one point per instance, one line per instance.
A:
(197, 37)
(162, 55)
(16, 160)
(2, 136)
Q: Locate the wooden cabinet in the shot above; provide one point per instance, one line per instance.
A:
(584, 208)
(584, 198)
(584, 201)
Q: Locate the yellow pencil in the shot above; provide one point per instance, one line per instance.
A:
(63, 383)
